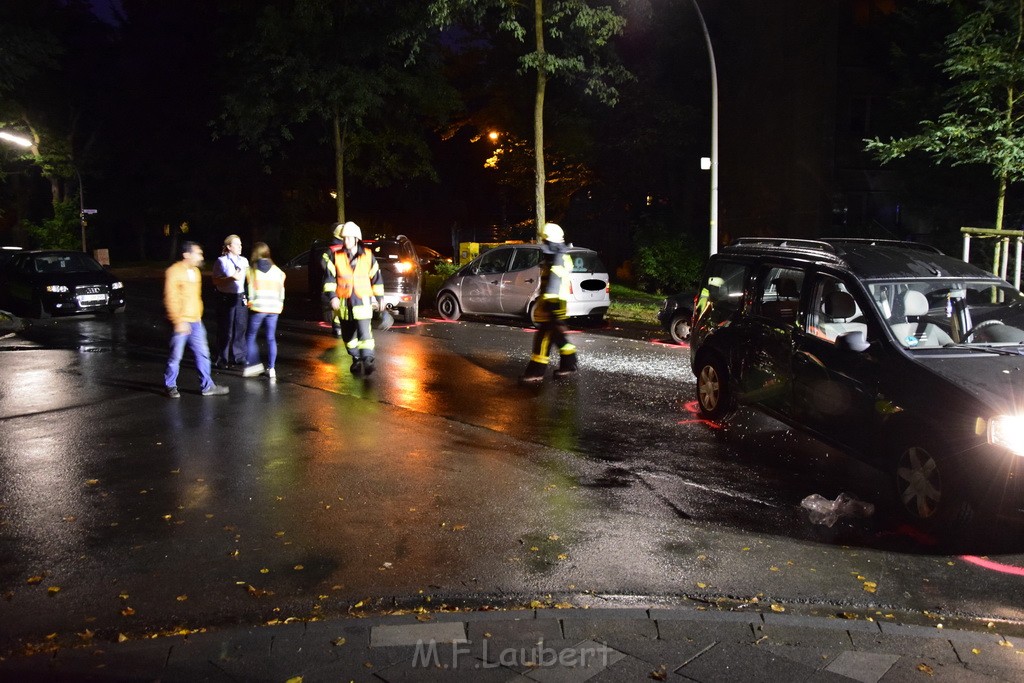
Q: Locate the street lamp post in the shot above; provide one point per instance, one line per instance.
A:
(713, 222)
(81, 208)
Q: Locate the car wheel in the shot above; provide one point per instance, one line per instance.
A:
(929, 488)
(531, 314)
(679, 330)
(412, 314)
(714, 398)
(448, 306)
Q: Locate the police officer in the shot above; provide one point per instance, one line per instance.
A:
(550, 312)
(232, 315)
(352, 284)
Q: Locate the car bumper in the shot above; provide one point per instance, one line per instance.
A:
(586, 309)
(68, 304)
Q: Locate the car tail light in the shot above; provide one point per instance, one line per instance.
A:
(403, 266)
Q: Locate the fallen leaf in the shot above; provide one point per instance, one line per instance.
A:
(870, 586)
(702, 585)
(279, 533)
(33, 580)
(459, 527)
(264, 571)
(563, 556)
(778, 608)
(91, 482)
(121, 637)
(660, 674)
(53, 590)
(534, 549)
(1005, 643)
(122, 595)
(338, 642)
(295, 679)
(773, 568)
(553, 537)
(181, 598)
(975, 651)
(127, 612)
(299, 567)
(924, 668)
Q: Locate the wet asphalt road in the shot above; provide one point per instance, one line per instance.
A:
(439, 481)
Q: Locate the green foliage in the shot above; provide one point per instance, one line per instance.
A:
(446, 270)
(665, 260)
(60, 232)
(297, 238)
(982, 122)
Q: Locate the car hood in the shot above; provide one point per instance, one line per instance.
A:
(996, 380)
(73, 279)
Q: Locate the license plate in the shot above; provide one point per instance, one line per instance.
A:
(91, 298)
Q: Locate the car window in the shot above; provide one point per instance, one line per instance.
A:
(65, 263)
(780, 294)
(387, 249)
(833, 310)
(525, 258)
(722, 293)
(495, 261)
(587, 262)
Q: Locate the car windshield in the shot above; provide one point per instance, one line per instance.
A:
(935, 313)
(65, 263)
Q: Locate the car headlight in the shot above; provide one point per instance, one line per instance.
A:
(56, 288)
(1007, 431)
(117, 285)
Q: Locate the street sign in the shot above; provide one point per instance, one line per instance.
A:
(89, 211)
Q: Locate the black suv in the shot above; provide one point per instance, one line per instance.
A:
(906, 358)
(403, 274)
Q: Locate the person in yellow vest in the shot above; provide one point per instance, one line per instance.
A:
(265, 293)
(352, 285)
(555, 268)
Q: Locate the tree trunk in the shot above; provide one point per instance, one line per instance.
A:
(1000, 211)
(538, 115)
(339, 166)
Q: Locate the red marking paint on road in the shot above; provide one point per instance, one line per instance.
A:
(709, 423)
(994, 566)
(662, 342)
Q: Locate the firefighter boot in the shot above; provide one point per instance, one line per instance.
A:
(567, 364)
(534, 372)
(368, 366)
(357, 367)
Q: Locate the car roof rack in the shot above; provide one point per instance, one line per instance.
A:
(899, 244)
(816, 248)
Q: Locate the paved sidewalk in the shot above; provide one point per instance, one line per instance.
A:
(625, 644)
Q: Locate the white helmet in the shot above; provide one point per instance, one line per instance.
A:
(553, 233)
(350, 229)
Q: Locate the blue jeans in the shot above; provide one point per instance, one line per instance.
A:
(255, 321)
(196, 340)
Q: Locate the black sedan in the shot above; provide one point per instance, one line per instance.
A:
(675, 314)
(45, 283)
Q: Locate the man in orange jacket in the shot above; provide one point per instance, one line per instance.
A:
(183, 298)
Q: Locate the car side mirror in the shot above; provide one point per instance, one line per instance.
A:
(855, 341)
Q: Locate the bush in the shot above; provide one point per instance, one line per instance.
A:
(665, 260)
(63, 231)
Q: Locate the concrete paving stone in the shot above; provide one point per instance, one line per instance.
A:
(383, 657)
(485, 615)
(997, 656)
(200, 671)
(933, 671)
(813, 657)
(632, 669)
(468, 669)
(356, 634)
(493, 649)
(598, 613)
(604, 628)
(701, 632)
(703, 615)
(132, 659)
(996, 673)
(802, 635)
(891, 629)
(339, 671)
(824, 623)
(866, 667)
(521, 629)
(741, 663)
(672, 653)
(574, 664)
(939, 649)
(823, 676)
(411, 634)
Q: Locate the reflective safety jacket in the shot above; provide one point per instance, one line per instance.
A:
(355, 280)
(265, 287)
(555, 268)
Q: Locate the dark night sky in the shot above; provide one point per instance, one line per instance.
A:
(106, 9)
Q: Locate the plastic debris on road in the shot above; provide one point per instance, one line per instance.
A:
(821, 510)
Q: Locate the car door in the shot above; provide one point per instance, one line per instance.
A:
(481, 287)
(835, 388)
(521, 284)
(764, 352)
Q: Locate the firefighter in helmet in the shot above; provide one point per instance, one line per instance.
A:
(327, 269)
(550, 311)
(352, 284)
